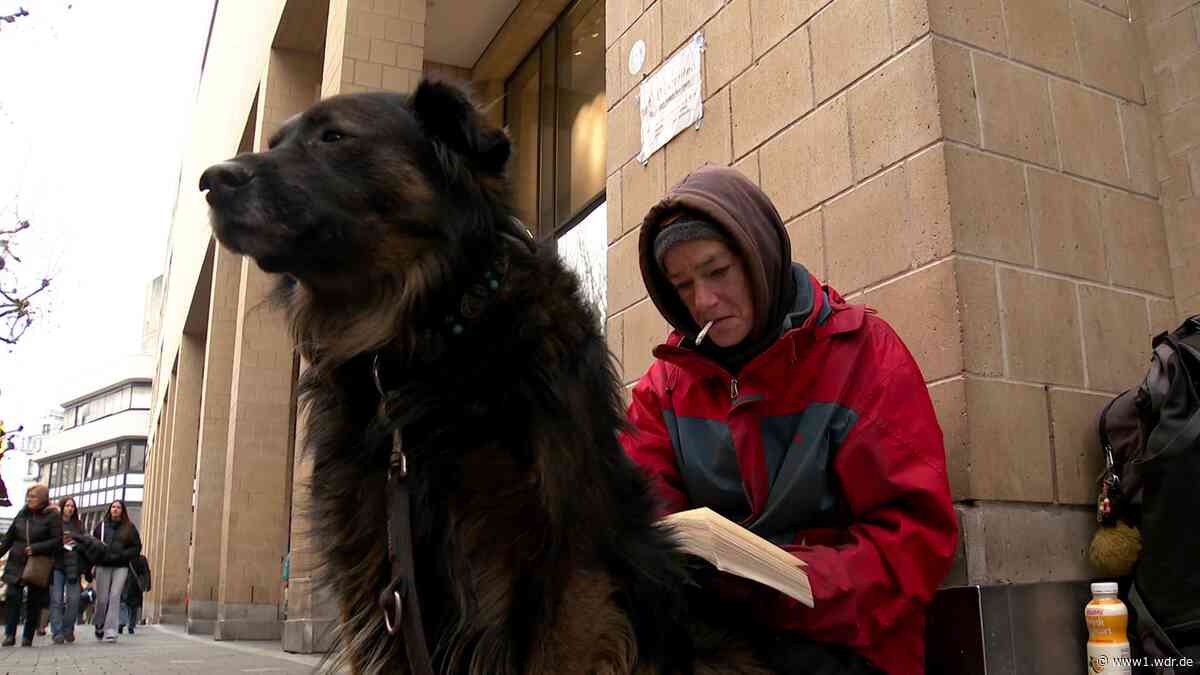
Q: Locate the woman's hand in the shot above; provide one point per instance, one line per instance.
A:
(28, 551)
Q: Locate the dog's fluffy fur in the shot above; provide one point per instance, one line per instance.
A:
(535, 539)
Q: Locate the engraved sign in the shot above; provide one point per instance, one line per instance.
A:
(669, 100)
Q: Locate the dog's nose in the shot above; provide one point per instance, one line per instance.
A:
(225, 175)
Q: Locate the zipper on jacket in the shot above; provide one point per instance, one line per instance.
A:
(733, 389)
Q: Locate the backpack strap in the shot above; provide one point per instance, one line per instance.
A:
(1110, 479)
(1178, 428)
(1148, 630)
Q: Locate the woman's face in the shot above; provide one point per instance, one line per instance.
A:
(712, 283)
(115, 510)
(69, 509)
(33, 500)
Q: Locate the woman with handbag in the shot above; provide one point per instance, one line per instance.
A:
(68, 566)
(122, 545)
(135, 588)
(32, 541)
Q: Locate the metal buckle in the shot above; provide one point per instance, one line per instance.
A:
(398, 466)
(398, 608)
(375, 374)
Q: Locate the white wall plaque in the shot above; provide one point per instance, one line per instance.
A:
(637, 57)
(669, 100)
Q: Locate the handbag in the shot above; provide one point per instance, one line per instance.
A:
(136, 578)
(37, 567)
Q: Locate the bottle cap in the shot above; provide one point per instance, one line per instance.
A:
(1105, 587)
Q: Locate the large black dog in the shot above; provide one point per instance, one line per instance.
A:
(388, 218)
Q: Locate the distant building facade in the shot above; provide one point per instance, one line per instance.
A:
(100, 454)
(19, 468)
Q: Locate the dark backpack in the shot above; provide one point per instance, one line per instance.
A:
(1151, 439)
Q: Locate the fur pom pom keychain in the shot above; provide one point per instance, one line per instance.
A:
(1116, 544)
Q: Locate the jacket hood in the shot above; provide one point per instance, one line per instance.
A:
(734, 203)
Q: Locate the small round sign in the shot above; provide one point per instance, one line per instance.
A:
(637, 57)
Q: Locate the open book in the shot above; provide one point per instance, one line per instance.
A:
(734, 549)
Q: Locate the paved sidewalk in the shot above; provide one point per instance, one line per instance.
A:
(153, 650)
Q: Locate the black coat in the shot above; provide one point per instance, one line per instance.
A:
(44, 538)
(73, 562)
(122, 543)
(138, 582)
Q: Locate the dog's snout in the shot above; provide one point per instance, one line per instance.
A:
(225, 175)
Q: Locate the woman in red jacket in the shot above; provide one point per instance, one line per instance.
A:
(804, 418)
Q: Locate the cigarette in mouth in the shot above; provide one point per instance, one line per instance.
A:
(703, 332)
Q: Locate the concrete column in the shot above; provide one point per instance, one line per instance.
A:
(254, 534)
(310, 613)
(153, 542)
(1169, 69)
(369, 46)
(149, 504)
(875, 152)
(205, 551)
(373, 46)
(176, 507)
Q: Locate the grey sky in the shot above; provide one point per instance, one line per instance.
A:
(95, 101)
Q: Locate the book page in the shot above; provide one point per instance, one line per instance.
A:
(734, 549)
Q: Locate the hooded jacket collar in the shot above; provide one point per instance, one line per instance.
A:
(728, 199)
(817, 313)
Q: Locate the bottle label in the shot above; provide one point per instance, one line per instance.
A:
(1107, 620)
(1110, 658)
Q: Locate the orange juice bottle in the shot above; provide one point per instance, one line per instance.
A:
(1107, 619)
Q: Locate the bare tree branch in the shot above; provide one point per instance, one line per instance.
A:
(10, 18)
(17, 308)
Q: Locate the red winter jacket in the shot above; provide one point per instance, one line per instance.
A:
(827, 444)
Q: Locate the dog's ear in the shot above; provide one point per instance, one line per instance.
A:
(448, 115)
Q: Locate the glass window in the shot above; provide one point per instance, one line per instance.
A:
(69, 417)
(140, 397)
(584, 248)
(53, 480)
(137, 457)
(521, 114)
(122, 458)
(555, 112)
(112, 401)
(581, 151)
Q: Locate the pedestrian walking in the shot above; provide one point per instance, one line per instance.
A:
(122, 545)
(131, 601)
(68, 566)
(32, 541)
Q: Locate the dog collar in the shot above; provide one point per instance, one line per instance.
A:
(476, 297)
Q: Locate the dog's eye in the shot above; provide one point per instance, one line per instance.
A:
(331, 136)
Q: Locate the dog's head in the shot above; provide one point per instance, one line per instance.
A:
(361, 186)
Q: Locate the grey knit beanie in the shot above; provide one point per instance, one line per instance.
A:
(686, 229)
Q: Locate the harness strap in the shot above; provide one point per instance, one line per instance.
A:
(399, 600)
